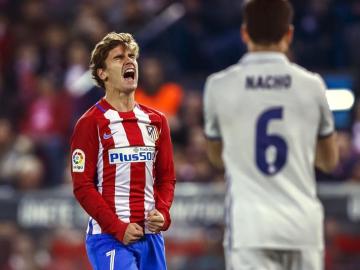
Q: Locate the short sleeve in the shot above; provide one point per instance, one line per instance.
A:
(326, 125)
(212, 130)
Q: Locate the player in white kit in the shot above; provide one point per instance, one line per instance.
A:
(268, 121)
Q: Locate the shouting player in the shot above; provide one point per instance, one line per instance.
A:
(122, 165)
(269, 123)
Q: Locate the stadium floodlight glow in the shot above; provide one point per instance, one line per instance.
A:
(340, 99)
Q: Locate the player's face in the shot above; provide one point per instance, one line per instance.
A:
(121, 72)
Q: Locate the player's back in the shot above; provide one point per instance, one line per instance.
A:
(270, 114)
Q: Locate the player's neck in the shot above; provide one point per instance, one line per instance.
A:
(122, 102)
(278, 47)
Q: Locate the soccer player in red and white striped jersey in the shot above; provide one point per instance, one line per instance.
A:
(122, 165)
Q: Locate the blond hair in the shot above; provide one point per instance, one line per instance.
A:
(101, 51)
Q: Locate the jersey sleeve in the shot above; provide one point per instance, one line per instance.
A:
(326, 125)
(212, 130)
(84, 149)
(164, 174)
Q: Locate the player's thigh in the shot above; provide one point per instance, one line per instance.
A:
(152, 253)
(253, 259)
(106, 253)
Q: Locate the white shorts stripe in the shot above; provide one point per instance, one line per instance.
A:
(96, 227)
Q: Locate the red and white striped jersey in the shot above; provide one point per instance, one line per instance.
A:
(122, 167)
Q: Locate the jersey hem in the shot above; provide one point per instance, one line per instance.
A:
(327, 135)
(213, 138)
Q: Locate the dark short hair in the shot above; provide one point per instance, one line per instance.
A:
(267, 21)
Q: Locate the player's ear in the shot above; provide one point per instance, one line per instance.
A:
(244, 34)
(102, 74)
(290, 34)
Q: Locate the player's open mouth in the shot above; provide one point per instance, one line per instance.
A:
(129, 74)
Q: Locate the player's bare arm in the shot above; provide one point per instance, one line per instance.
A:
(327, 153)
(214, 150)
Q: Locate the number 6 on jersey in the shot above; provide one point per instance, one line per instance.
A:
(271, 150)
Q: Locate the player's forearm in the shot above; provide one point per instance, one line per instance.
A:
(327, 154)
(214, 151)
(326, 164)
(164, 196)
(94, 204)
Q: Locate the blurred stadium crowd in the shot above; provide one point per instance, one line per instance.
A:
(44, 87)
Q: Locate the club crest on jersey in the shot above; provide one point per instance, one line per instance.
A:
(78, 160)
(152, 132)
(131, 154)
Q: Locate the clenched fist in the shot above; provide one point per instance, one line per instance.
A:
(155, 221)
(133, 233)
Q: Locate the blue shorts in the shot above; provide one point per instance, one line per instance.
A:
(107, 253)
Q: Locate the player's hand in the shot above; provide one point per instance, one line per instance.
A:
(133, 233)
(155, 221)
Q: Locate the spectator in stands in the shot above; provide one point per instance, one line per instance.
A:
(6, 43)
(47, 123)
(26, 64)
(356, 128)
(88, 24)
(77, 66)
(155, 92)
(347, 156)
(24, 251)
(67, 251)
(354, 177)
(53, 51)
(133, 16)
(190, 152)
(13, 148)
(30, 173)
(8, 232)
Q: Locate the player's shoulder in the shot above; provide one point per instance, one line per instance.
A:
(152, 113)
(88, 118)
(306, 75)
(223, 75)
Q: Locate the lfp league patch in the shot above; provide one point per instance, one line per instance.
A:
(78, 160)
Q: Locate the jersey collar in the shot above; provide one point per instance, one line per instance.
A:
(263, 57)
(104, 106)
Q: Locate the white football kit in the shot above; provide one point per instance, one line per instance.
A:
(269, 114)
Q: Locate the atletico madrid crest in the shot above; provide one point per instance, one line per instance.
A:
(153, 132)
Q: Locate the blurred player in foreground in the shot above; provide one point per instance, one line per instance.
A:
(268, 120)
(122, 165)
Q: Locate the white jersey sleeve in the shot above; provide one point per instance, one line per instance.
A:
(212, 130)
(326, 125)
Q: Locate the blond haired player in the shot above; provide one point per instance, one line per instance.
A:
(122, 165)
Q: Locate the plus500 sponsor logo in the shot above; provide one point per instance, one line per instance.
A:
(131, 154)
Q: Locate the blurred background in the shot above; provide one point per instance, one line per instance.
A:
(45, 86)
